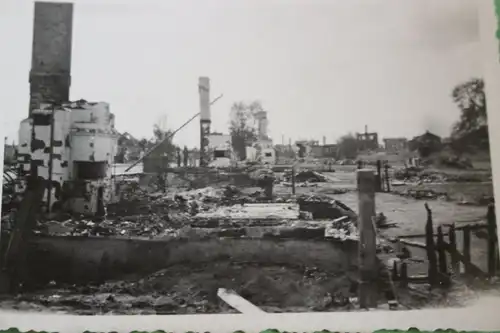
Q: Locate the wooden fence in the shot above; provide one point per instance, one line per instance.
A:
(439, 250)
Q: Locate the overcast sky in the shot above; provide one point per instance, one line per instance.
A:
(320, 68)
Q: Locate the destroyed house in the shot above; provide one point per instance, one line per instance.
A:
(367, 140)
(304, 147)
(426, 143)
(395, 145)
(284, 151)
(129, 148)
(324, 151)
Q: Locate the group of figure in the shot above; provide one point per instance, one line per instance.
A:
(184, 158)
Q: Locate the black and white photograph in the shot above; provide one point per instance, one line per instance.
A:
(242, 156)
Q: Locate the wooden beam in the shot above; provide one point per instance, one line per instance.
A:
(368, 263)
(475, 226)
(237, 302)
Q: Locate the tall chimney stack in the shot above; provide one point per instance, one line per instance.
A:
(50, 75)
(205, 120)
(262, 124)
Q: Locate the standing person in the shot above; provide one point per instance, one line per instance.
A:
(186, 156)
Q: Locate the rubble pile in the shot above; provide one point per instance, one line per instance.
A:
(324, 207)
(306, 176)
(237, 212)
(423, 194)
(191, 288)
(143, 214)
(456, 162)
(419, 176)
(139, 226)
(261, 173)
(342, 229)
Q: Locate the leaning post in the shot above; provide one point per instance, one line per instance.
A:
(492, 240)
(430, 247)
(367, 240)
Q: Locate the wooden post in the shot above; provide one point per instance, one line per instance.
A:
(15, 257)
(367, 243)
(379, 176)
(492, 240)
(430, 248)
(455, 263)
(403, 281)
(443, 266)
(268, 189)
(293, 179)
(178, 157)
(394, 273)
(466, 248)
(387, 180)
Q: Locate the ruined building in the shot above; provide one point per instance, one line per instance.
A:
(426, 144)
(395, 145)
(70, 145)
(325, 151)
(367, 140)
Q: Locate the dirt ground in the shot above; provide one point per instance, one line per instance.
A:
(187, 289)
(409, 214)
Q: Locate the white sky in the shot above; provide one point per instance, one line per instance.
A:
(320, 68)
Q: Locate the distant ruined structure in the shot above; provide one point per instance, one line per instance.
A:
(367, 140)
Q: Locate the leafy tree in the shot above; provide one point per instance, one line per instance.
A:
(242, 126)
(348, 146)
(143, 144)
(167, 148)
(470, 132)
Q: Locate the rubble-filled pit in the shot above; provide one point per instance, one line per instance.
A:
(94, 275)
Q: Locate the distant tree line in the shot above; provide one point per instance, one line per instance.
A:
(469, 133)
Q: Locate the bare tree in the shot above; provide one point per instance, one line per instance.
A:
(167, 148)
